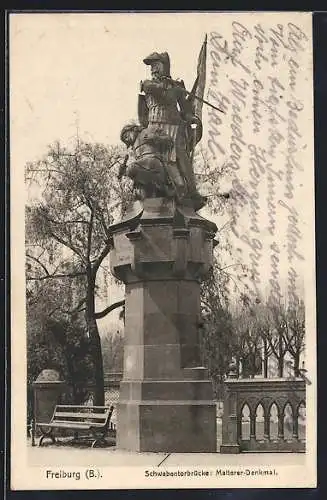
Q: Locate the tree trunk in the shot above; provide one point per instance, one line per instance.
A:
(98, 366)
(95, 341)
(250, 365)
(237, 360)
(296, 363)
(253, 364)
(265, 367)
(71, 372)
(265, 359)
(280, 356)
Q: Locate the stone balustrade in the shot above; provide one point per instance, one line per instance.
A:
(264, 415)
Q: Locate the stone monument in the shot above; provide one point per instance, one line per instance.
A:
(48, 389)
(161, 250)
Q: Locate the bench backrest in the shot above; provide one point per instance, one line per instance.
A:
(90, 414)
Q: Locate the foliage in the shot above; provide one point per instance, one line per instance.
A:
(57, 341)
(67, 228)
(113, 351)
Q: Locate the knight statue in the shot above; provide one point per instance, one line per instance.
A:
(161, 148)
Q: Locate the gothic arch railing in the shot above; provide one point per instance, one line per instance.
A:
(273, 431)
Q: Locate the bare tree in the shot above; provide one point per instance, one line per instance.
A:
(294, 331)
(266, 331)
(248, 340)
(275, 336)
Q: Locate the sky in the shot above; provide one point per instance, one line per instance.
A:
(86, 69)
(82, 71)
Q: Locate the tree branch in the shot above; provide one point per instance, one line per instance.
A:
(72, 311)
(78, 307)
(110, 308)
(39, 263)
(64, 222)
(101, 257)
(67, 244)
(55, 276)
(89, 235)
(225, 225)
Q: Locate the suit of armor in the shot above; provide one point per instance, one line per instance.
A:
(167, 109)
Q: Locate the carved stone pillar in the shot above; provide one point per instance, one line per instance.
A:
(161, 252)
(231, 424)
(280, 424)
(266, 436)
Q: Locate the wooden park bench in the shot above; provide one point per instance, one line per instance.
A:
(90, 420)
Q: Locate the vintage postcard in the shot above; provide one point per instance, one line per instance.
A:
(163, 328)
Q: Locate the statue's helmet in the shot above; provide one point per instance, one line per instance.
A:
(129, 127)
(163, 57)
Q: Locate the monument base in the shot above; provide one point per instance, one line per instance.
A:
(161, 252)
(230, 448)
(167, 425)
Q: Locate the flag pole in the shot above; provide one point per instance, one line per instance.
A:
(193, 148)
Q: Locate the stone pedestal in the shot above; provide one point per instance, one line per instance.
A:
(161, 252)
(48, 389)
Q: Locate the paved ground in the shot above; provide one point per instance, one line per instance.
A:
(65, 454)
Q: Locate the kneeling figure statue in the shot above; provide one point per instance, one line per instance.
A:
(145, 161)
